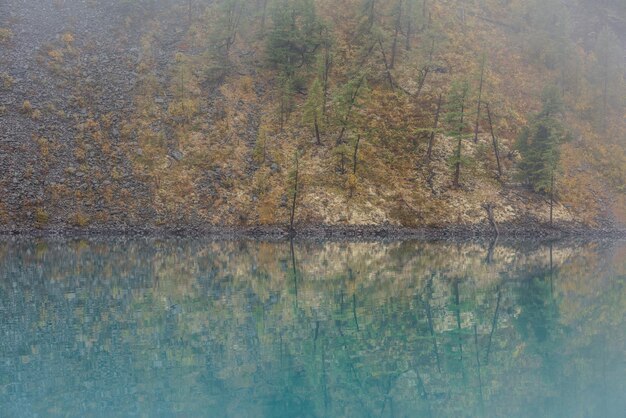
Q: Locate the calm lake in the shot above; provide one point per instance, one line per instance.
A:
(192, 328)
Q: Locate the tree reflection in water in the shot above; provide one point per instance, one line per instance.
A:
(199, 328)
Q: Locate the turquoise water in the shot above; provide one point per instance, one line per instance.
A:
(184, 328)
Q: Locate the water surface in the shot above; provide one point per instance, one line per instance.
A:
(190, 328)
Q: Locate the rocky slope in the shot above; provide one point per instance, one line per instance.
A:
(91, 136)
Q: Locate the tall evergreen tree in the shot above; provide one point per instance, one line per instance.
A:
(294, 37)
(313, 112)
(539, 143)
(455, 118)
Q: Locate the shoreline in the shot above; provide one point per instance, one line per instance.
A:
(521, 231)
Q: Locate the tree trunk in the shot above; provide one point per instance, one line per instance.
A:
(551, 198)
(350, 106)
(317, 131)
(494, 142)
(431, 141)
(489, 208)
(295, 197)
(263, 15)
(422, 81)
(356, 322)
(494, 324)
(425, 71)
(387, 67)
(356, 150)
(342, 163)
(480, 380)
(370, 15)
(394, 44)
(282, 113)
(327, 64)
(457, 170)
(480, 95)
(605, 102)
(407, 42)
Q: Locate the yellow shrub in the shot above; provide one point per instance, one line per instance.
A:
(5, 35)
(7, 80)
(68, 38)
(44, 147)
(246, 84)
(56, 55)
(4, 215)
(79, 153)
(41, 217)
(185, 108)
(27, 107)
(351, 183)
(80, 219)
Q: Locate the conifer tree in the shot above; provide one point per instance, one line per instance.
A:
(294, 37)
(313, 112)
(539, 143)
(455, 118)
(292, 43)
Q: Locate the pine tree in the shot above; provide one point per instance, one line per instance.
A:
(455, 118)
(539, 143)
(294, 37)
(292, 43)
(313, 112)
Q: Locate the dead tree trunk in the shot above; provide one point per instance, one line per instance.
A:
(263, 15)
(494, 141)
(551, 198)
(327, 65)
(457, 168)
(431, 141)
(387, 66)
(425, 71)
(489, 208)
(356, 150)
(480, 96)
(317, 130)
(294, 196)
(394, 44)
(342, 163)
(409, 27)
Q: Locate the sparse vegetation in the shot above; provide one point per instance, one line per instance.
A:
(27, 107)
(6, 35)
(41, 217)
(392, 114)
(80, 220)
(6, 80)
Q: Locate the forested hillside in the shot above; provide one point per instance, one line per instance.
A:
(415, 113)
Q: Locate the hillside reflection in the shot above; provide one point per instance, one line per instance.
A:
(196, 328)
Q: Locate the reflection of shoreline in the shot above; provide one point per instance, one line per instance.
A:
(524, 230)
(368, 324)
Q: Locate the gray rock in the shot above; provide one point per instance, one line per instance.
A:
(177, 155)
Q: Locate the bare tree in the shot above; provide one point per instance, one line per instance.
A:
(294, 193)
(496, 152)
(480, 95)
(431, 141)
